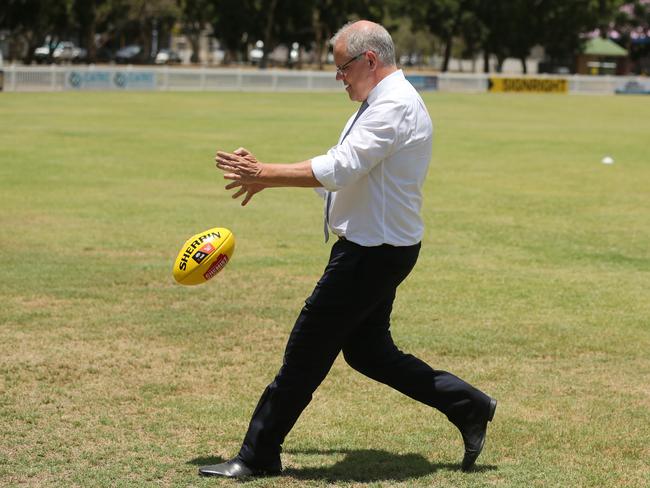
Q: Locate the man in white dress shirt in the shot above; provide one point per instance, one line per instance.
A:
(372, 184)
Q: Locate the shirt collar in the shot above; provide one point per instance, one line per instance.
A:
(385, 85)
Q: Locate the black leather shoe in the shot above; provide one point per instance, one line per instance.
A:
(236, 468)
(474, 437)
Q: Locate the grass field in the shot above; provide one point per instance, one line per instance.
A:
(533, 284)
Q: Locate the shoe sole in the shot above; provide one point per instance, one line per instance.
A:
(257, 474)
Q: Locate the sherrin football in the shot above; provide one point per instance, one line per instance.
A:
(203, 255)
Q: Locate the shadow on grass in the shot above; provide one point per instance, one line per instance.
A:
(205, 461)
(363, 465)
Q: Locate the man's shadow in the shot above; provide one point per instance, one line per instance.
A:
(360, 465)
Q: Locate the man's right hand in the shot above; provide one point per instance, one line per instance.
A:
(249, 189)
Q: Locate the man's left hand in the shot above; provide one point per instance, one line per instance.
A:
(244, 169)
(240, 166)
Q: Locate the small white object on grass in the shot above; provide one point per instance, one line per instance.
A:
(607, 160)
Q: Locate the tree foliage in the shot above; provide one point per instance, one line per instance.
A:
(632, 27)
(499, 29)
(36, 21)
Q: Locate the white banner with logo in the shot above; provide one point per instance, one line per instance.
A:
(634, 87)
(110, 80)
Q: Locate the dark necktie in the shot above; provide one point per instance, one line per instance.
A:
(328, 200)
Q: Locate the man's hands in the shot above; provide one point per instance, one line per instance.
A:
(244, 170)
(251, 177)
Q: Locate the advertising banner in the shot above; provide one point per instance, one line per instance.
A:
(423, 82)
(527, 85)
(634, 87)
(110, 80)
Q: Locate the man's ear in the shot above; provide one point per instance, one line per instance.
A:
(372, 60)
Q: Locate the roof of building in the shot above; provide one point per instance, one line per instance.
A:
(603, 47)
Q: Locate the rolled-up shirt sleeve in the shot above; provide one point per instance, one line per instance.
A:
(374, 137)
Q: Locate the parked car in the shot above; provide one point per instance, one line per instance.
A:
(104, 55)
(255, 55)
(130, 55)
(67, 52)
(42, 54)
(217, 56)
(64, 52)
(167, 56)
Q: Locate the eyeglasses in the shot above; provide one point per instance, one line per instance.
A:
(340, 70)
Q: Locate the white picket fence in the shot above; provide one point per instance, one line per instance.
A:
(58, 78)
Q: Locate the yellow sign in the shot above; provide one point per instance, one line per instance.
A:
(543, 85)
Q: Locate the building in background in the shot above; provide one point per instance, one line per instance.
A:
(602, 57)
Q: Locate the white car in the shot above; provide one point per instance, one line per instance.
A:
(68, 52)
(167, 56)
(255, 55)
(42, 54)
(217, 56)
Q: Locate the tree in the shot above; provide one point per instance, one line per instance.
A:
(512, 28)
(443, 18)
(631, 26)
(196, 14)
(409, 41)
(565, 23)
(34, 21)
(473, 33)
(91, 17)
(330, 15)
(269, 7)
(234, 22)
(144, 15)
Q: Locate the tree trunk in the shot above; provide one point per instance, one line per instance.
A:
(268, 34)
(91, 48)
(144, 39)
(524, 67)
(195, 37)
(91, 30)
(318, 37)
(486, 60)
(229, 56)
(500, 60)
(449, 42)
(31, 46)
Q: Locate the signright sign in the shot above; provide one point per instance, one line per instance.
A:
(527, 85)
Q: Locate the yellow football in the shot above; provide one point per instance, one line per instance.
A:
(203, 255)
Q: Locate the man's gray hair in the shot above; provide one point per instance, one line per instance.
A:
(372, 38)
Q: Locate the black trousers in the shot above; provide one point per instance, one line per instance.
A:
(349, 311)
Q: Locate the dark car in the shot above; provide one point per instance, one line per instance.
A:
(130, 55)
(104, 55)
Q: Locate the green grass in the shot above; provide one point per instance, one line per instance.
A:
(533, 284)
